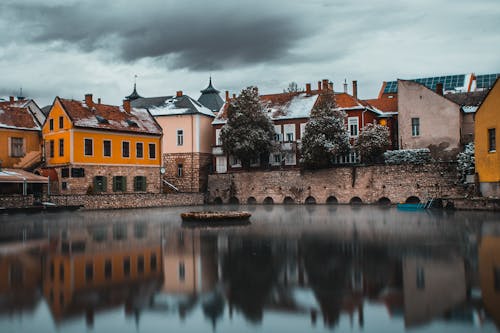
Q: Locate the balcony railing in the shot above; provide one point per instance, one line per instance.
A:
(217, 150)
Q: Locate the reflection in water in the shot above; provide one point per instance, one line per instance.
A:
(328, 268)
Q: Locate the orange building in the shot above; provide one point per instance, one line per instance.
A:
(486, 154)
(20, 134)
(99, 148)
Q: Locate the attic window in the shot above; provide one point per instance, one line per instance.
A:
(132, 123)
(101, 120)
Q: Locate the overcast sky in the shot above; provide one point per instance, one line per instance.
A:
(68, 48)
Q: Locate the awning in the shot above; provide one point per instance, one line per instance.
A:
(21, 176)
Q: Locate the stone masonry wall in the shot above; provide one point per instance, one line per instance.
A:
(79, 185)
(195, 169)
(129, 200)
(369, 183)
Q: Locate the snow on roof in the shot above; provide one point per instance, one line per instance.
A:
(179, 106)
(469, 109)
(300, 106)
(17, 115)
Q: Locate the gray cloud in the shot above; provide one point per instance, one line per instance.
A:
(194, 37)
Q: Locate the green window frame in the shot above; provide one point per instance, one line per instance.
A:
(100, 184)
(119, 184)
(140, 183)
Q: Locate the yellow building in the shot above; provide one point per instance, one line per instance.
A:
(20, 134)
(486, 152)
(99, 148)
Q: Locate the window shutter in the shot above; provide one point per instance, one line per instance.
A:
(96, 185)
(114, 184)
(144, 183)
(124, 184)
(104, 184)
(10, 146)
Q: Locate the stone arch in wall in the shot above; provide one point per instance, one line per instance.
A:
(234, 201)
(288, 201)
(355, 201)
(310, 200)
(331, 200)
(384, 201)
(218, 201)
(268, 201)
(413, 200)
(251, 201)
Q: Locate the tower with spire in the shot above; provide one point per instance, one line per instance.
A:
(134, 95)
(210, 97)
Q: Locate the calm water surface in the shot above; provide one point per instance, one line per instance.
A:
(294, 269)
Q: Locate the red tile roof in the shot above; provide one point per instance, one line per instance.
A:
(110, 117)
(17, 115)
(384, 103)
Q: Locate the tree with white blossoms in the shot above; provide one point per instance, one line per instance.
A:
(248, 133)
(466, 164)
(372, 142)
(325, 134)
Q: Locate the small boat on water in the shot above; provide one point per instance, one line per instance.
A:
(411, 206)
(218, 218)
(39, 207)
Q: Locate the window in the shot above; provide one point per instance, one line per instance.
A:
(119, 184)
(106, 148)
(235, 162)
(182, 271)
(51, 124)
(415, 126)
(100, 184)
(139, 183)
(89, 147)
(51, 148)
(218, 141)
(139, 150)
(289, 137)
(16, 147)
(278, 136)
(180, 137)
(140, 264)
(492, 144)
(302, 130)
(64, 172)
(153, 262)
(420, 278)
(276, 159)
(152, 151)
(61, 147)
(61, 122)
(64, 185)
(180, 171)
(108, 272)
(77, 172)
(61, 272)
(290, 132)
(125, 149)
(119, 231)
(290, 159)
(126, 266)
(89, 272)
(353, 125)
(140, 230)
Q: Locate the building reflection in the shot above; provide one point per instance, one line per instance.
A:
(489, 274)
(103, 266)
(143, 267)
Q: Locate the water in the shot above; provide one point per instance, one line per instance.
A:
(294, 269)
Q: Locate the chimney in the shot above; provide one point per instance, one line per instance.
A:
(325, 84)
(126, 105)
(227, 96)
(179, 93)
(99, 100)
(88, 100)
(319, 86)
(11, 99)
(439, 88)
(234, 96)
(330, 86)
(308, 89)
(355, 89)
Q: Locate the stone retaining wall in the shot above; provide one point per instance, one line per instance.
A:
(342, 184)
(111, 201)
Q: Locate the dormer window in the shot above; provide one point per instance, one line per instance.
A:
(101, 120)
(131, 123)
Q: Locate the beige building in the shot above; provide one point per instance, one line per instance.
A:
(430, 119)
(186, 143)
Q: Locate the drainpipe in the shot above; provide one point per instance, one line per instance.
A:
(363, 118)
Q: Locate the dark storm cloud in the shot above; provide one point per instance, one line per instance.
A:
(197, 37)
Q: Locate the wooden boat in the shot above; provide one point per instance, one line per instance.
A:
(219, 218)
(411, 206)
